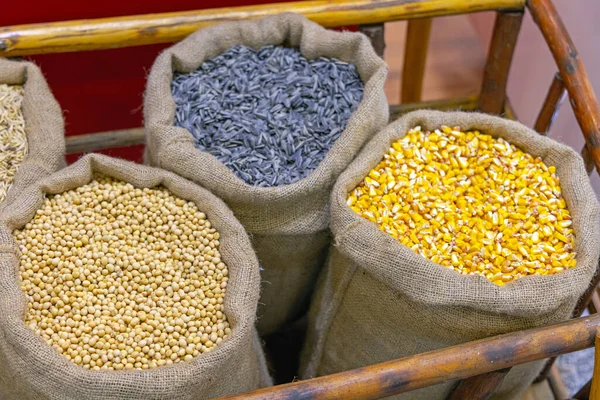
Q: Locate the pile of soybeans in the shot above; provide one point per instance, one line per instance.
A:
(118, 277)
(470, 202)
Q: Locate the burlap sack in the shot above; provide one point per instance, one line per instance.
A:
(287, 224)
(44, 125)
(377, 300)
(31, 369)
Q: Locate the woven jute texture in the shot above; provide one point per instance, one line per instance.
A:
(31, 369)
(44, 125)
(377, 300)
(287, 224)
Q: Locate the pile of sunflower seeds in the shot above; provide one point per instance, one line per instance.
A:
(13, 141)
(270, 115)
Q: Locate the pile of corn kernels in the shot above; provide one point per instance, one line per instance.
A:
(470, 202)
(13, 140)
(119, 277)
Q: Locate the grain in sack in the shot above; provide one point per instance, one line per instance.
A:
(126, 281)
(32, 141)
(266, 115)
(448, 228)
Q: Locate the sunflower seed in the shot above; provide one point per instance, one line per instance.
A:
(269, 115)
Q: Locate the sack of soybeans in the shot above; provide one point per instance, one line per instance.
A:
(451, 227)
(266, 115)
(32, 142)
(123, 281)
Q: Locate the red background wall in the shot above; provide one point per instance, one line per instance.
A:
(100, 90)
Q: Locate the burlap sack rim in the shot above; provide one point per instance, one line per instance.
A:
(34, 195)
(43, 141)
(350, 228)
(324, 172)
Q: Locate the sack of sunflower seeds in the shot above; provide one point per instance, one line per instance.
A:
(266, 114)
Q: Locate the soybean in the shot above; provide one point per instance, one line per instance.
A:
(118, 277)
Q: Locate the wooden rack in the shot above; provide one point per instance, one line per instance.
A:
(479, 366)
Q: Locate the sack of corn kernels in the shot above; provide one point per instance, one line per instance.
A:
(123, 281)
(266, 115)
(32, 142)
(451, 227)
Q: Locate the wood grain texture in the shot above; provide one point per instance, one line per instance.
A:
(495, 75)
(549, 111)
(449, 364)
(376, 34)
(478, 387)
(108, 33)
(415, 57)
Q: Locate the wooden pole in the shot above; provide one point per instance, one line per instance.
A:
(376, 34)
(581, 94)
(595, 391)
(479, 387)
(135, 30)
(549, 111)
(415, 56)
(449, 364)
(495, 75)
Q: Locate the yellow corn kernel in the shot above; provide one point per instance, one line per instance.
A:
(470, 202)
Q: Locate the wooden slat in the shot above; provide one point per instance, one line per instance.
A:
(376, 34)
(104, 140)
(509, 111)
(479, 387)
(581, 94)
(557, 385)
(593, 306)
(595, 303)
(415, 56)
(463, 104)
(585, 299)
(595, 390)
(449, 364)
(495, 75)
(580, 307)
(108, 33)
(549, 111)
(129, 137)
(584, 392)
(587, 160)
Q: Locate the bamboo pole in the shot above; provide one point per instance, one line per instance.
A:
(449, 364)
(495, 76)
(108, 33)
(595, 392)
(581, 94)
(415, 57)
